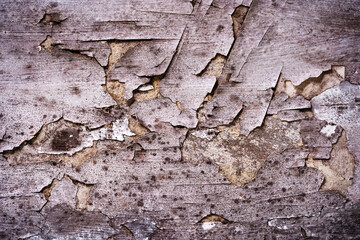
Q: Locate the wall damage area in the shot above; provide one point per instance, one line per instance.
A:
(180, 119)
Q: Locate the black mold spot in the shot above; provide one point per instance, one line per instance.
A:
(65, 140)
(75, 91)
(220, 28)
(140, 203)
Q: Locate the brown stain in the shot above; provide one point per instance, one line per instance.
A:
(220, 28)
(53, 135)
(76, 91)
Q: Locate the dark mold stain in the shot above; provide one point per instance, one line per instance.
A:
(66, 139)
(220, 28)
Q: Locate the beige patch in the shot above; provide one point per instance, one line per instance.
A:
(240, 157)
(46, 44)
(215, 66)
(238, 18)
(286, 86)
(178, 104)
(214, 218)
(313, 86)
(80, 157)
(116, 90)
(47, 190)
(118, 50)
(339, 170)
(151, 94)
(137, 128)
(82, 195)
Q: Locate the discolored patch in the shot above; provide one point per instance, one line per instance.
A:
(215, 66)
(214, 218)
(238, 18)
(150, 94)
(45, 45)
(116, 90)
(66, 139)
(51, 18)
(339, 170)
(82, 195)
(313, 86)
(238, 157)
(75, 90)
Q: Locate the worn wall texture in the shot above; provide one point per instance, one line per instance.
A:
(180, 119)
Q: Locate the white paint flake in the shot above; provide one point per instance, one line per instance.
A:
(208, 225)
(146, 88)
(328, 130)
(206, 134)
(121, 128)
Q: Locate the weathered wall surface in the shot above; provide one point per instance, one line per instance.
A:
(179, 119)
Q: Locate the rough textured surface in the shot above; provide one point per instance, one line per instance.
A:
(179, 119)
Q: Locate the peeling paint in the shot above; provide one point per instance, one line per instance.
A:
(312, 87)
(239, 158)
(167, 119)
(339, 170)
(328, 130)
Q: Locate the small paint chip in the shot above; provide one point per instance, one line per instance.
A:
(146, 88)
(206, 134)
